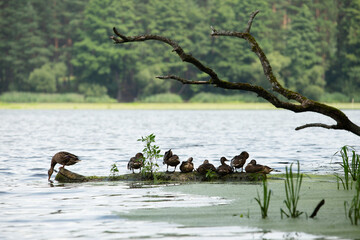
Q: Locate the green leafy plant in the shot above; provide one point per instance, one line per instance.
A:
(210, 174)
(292, 190)
(351, 167)
(353, 213)
(264, 206)
(151, 154)
(114, 171)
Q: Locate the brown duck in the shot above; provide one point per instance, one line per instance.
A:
(239, 160)
(136, 162)
(203, 168)
(224, 169)
(252, 167)
(170, 159)
(64, 159)
(187, 166)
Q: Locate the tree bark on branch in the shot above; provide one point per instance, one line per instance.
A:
(302, 104)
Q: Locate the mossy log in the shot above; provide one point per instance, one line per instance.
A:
(65, 175)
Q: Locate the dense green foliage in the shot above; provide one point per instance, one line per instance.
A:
(30, 97)
(64, 46)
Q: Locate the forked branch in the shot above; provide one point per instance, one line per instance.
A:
(303, 104)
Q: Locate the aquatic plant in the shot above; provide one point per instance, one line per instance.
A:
(114, 171)
(210, 174)
(292, 190)
(353, 213)
(351, 168)
(264, 206)
(151, 153)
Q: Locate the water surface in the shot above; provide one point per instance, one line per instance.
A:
(30, 208)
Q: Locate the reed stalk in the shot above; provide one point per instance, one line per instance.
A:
(292, 191)
(351, 167)
(353, 213)
(264, 204)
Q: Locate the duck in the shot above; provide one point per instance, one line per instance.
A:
(203, 168)
(224, 169)
(253, 167)
(187, 166)
(136, 162)
(64, 159)
(239, 160)
(170, 159)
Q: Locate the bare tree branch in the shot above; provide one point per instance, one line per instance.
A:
(182, 80)
(317, 125)
(252, 16)
(303, 104)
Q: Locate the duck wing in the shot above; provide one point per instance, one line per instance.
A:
(66, 158)
(173, 160)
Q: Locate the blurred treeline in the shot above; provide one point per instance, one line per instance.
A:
(63, 46)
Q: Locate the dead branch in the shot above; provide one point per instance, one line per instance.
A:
(182, 80)
(303, 104)
(320, 204)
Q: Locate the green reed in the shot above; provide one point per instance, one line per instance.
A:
(264, 204)
(351, 167)
(292, 190)
(353, 213)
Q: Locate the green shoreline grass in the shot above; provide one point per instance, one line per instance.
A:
(156, 106)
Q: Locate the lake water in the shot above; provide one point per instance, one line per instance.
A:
(31, 208)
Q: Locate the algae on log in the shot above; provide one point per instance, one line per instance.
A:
(65, 175)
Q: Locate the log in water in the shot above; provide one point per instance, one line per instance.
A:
(65, 175)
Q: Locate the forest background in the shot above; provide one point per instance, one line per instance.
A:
(62, 49)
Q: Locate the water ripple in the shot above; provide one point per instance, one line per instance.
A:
(29, 138)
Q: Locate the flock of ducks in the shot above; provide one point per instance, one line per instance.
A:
(170, 159)
(173, 160)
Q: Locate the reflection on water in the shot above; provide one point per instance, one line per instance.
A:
(31, 209)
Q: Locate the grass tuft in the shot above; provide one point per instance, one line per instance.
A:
(292, 191)
(351, 167)
(353, 213)
(264, 205)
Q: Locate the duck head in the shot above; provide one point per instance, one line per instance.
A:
(190, 160)
(222, 160)
(244, 155)
(168, 154)
(50, 172)
(139, 155)
(253, 162)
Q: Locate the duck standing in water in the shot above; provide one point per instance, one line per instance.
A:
(170, 159)
(239, 160)
(252, 167)
(136, 162)
(187, 166)
(224, 169)
(64, 159)
(203, 168)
